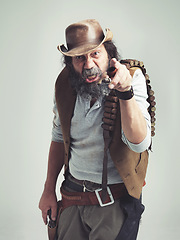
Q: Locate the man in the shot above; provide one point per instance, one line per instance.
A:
(78, 143)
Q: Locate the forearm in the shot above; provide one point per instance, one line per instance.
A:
(55, 164)
(133, 122)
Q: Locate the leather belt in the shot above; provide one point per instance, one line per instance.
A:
(115, 191)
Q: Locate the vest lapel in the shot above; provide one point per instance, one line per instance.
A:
(65, 98)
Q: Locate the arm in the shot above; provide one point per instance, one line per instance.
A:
(133, 122)
(55, 163)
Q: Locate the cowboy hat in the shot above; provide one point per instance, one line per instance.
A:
(84, 37)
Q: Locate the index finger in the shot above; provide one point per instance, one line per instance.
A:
(44, 216)
(114, 63)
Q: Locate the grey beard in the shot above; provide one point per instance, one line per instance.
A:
(88, 90)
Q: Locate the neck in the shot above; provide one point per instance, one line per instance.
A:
(93, 100)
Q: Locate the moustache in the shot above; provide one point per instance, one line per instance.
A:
(93, 72)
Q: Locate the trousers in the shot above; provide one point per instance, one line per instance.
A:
(119, 221)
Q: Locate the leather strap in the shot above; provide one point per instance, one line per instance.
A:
(125, 95)
(90, 198)
(110, 110)
(107, 140)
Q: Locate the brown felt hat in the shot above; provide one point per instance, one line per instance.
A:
(83, 37)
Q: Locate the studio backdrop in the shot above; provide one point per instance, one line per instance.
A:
(30, 63)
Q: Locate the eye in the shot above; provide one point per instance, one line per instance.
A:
(96, 54)
(79, 58)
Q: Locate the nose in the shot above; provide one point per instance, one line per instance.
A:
(89, 63)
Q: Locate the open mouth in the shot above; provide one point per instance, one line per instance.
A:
(92, 78)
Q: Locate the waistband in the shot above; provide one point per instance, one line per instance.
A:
(72, 184)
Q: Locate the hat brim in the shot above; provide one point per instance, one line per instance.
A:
(85, 48)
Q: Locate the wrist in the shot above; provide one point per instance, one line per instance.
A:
(49, 187)
(126, 95)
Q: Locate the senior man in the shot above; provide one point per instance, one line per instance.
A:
(82, 103)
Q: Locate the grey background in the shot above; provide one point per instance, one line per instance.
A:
(30, 63)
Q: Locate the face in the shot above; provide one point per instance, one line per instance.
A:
(91, 66)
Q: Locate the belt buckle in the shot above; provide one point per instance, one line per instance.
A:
(99, 197)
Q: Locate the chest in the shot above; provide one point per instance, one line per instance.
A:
(86, 120)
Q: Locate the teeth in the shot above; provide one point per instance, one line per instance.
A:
(91, 77)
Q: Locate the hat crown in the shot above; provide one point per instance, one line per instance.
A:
(83, 33)
(84, 37)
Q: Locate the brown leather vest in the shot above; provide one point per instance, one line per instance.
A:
(130, 165)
